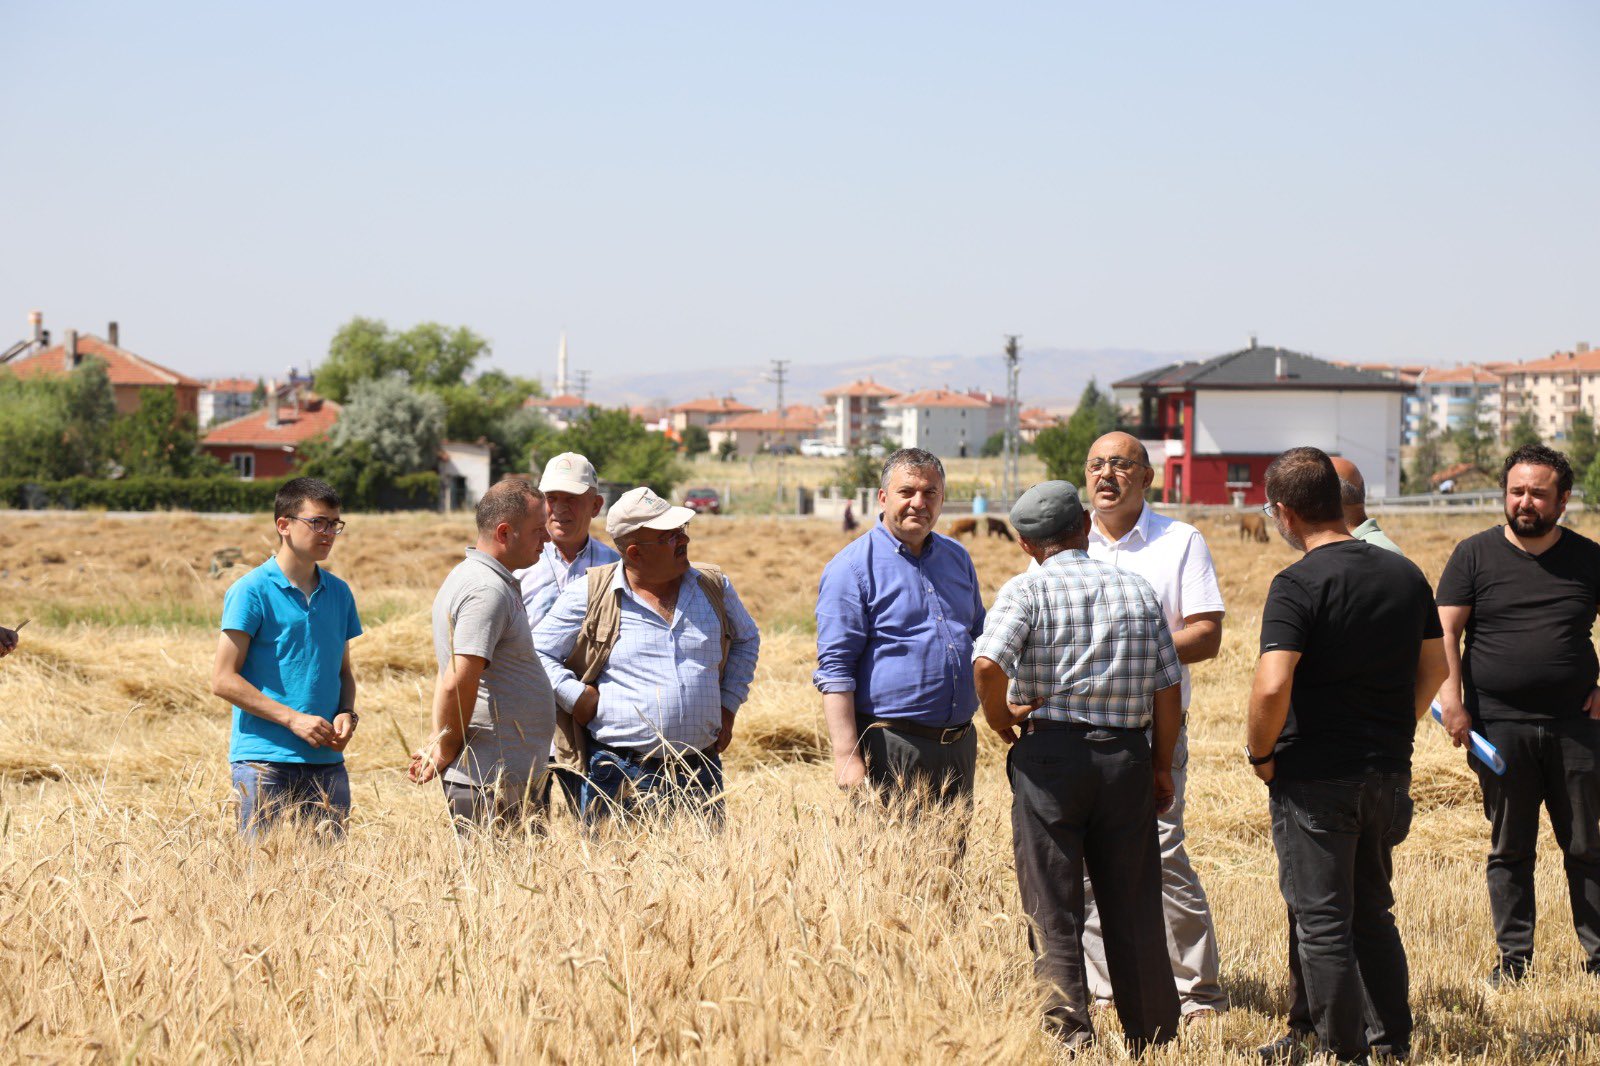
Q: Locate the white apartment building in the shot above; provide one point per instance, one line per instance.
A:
(948, 424)
(1551, 390)
(855, 413)
(1449, 395)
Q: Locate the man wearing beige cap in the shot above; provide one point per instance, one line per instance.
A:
(572, 493)
(652, 657)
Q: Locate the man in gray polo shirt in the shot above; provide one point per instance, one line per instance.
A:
(493, 709)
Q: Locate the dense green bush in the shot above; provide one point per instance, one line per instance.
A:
(413, 492)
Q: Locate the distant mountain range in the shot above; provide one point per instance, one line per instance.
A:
(1052, 378)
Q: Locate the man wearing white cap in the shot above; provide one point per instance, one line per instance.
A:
(572, 493)
(652, 657)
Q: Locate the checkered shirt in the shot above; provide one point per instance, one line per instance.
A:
(1085, 636)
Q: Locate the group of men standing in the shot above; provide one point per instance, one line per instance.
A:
(627, 667)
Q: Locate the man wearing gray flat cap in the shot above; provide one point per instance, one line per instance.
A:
(1076, 657)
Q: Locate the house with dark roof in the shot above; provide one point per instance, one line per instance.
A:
(1222, 420)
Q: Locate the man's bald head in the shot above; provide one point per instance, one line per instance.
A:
(1352, 487)
(1121, 444)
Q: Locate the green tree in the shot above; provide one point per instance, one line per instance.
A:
(1591, 486)
(156, 441)
(620, 448)
(258, 395)
(1523, 431)
(1472, 438)
(859, 471)
(428, 354)
(1064, 449)
(400, 426)
(1428, 458)
(55, 427)
(696, 441)
(727, 451)
(1581, 444)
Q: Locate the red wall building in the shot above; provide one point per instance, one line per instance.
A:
(266, 443)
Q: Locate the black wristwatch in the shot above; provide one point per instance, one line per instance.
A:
(355, 719)
(1268, 757)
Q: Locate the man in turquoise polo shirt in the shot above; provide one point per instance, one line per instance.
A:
(284, 663)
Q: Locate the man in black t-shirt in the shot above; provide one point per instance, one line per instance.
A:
(1350, 657)
(1525, 594)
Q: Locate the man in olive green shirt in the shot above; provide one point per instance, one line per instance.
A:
(1353, 493)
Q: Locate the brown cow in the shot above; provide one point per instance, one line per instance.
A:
(993, 527)
(1253, 527)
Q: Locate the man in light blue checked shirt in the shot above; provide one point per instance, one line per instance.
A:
(662, 711)
(1077, 655)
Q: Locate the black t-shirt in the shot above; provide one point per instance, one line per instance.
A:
(1358, 615)
(1528, 652)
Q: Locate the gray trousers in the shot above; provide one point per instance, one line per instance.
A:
(1083, 802)
(899, 764)
(477, 807)
(1191, 935)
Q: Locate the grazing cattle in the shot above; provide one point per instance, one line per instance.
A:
(993, 527)
(1253, 527)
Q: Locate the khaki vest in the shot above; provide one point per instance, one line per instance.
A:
(597, 635)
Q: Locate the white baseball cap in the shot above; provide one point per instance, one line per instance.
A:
(641, 508)
(569, 472)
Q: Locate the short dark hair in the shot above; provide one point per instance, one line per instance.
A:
(1304, 480)
(506, 501)
(1539, 455)
(297, 491)
(914, 458)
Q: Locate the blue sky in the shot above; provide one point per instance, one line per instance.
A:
(705, 185)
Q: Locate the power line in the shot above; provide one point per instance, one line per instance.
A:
(1013, 434)
(780, 373)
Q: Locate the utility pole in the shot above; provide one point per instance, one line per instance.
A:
(583, 384)
(1013, 435)
(780, 371)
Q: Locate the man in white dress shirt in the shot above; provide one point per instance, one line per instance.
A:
(1173, 557)
(572, 493)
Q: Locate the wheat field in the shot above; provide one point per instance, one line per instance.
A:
(135, 925)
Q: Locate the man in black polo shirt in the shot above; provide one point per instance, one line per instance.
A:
(1525, 595)
(1350, 657)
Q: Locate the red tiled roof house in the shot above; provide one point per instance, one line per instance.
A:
(266, 443)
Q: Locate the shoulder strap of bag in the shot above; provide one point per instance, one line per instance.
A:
(597, 634)
(713, 582)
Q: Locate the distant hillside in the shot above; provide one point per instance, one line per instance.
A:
(1051, 377)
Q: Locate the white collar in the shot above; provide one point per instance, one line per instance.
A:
(1141, 527)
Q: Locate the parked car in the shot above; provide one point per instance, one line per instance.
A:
(703, 501)
(823, 449)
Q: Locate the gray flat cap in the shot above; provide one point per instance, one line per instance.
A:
(1047, 510)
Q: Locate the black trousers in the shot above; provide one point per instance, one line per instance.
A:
(1334, 840)
(899, 764)
(1552, 764)
(1083, 800)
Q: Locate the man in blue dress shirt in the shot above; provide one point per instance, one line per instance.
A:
(897, 611)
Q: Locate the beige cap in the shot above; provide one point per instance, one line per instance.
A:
(641, 508)
(569, 472)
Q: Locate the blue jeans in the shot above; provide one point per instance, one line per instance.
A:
(619, 783)
(270, 790)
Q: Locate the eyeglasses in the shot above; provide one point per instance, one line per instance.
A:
(1118, 465)
(1269, 509)
(668, 537)
(322, 526)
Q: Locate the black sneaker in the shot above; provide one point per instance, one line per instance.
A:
(1506, 976)
(1291, 1047)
